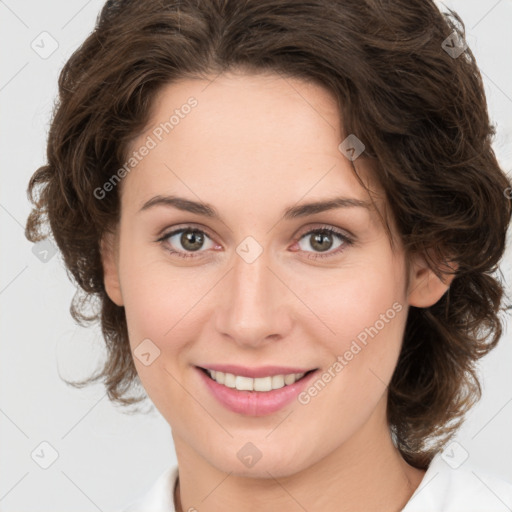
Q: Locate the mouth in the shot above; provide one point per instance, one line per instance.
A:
(263, 384)
(267, 393)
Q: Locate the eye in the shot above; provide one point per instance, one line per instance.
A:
(322, 240)
(186, 241)
(189, 238)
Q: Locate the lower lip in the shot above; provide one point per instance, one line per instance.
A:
(255, 403)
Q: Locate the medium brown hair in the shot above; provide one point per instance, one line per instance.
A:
(420, 112)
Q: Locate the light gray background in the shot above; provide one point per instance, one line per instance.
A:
(106, 459)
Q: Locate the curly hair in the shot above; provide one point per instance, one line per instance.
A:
(419, 109)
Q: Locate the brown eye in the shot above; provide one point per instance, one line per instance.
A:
(186, 240)
(192, 240)
(322, 240)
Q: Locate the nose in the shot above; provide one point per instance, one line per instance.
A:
(254, 304)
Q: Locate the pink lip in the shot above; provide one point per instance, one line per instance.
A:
(255, 372)
(255, 403)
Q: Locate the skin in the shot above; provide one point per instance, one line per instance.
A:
(253, 146)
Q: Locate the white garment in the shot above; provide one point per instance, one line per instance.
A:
(442, 489)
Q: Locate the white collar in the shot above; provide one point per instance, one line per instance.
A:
(442, 488)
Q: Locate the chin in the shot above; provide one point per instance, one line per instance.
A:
(268, 466)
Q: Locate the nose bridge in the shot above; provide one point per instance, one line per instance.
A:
(251, 282)
(253, 308)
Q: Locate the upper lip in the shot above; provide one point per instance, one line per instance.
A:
(255, 371)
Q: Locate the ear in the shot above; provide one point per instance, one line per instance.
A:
(109, 258)
(425, 288)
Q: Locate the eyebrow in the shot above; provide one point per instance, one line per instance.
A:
(292, 212)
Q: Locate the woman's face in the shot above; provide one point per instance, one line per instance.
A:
(259, 284)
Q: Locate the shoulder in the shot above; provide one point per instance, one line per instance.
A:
(159, 497)
(464, 488)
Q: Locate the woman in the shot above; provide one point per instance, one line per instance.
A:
(290, 213)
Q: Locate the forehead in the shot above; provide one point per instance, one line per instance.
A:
(246, 136)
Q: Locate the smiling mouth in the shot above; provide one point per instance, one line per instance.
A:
(261, 384)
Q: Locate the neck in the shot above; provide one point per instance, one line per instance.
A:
(364, 473)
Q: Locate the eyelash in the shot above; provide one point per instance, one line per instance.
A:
(323, 230)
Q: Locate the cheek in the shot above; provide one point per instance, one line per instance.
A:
(367, 314)
(370, 308)
(346, 305)
(361, 355)
(157, 299)
(159, 308)
(363, 313)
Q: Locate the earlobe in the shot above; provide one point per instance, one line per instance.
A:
(425, 288)
(110, 268)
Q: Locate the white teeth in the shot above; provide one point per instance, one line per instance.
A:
(263, 384)
(259, 384)
(229, 380)
(244, 383)
(289, 379)
(277, 381)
